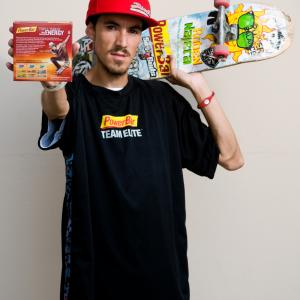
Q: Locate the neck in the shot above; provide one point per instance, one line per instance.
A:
(100, 77)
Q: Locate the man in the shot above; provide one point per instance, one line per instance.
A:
(125, 142)
(61, 55)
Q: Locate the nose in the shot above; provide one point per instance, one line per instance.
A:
(122, 38)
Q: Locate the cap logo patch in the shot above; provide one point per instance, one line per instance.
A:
(137, 7)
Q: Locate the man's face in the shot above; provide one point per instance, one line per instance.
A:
(116, 39)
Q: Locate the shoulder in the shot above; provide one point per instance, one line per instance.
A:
(155, 86)
(163, 92)
(76, 80)
(72, 87)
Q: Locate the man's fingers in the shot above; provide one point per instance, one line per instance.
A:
(10, 52)
(174, 70)
(10, 44)
(10, 66)
(75, 48)
(172, 64)
(172, 60)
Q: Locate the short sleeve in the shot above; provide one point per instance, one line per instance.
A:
(199, 151)
(51, 133)
(58, 133)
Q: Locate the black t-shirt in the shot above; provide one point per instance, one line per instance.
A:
(123, 223)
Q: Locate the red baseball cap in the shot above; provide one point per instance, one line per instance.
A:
(136, 8)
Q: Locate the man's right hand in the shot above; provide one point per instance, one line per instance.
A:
(9, 65)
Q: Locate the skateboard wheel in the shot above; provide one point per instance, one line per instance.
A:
(221, 51)
(219, 3)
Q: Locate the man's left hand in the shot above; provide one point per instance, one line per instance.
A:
(192, 81)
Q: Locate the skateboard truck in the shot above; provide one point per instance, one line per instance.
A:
(222, 30)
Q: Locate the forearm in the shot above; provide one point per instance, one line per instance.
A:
(55, 104)
(230, 157)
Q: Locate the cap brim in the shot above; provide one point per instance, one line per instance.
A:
(149, 21)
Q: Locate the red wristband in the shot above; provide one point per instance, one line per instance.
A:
(206, 101)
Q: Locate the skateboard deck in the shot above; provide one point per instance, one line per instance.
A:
(261, 32)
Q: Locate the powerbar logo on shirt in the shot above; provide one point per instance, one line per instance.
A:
(113, 127)
(118, 122)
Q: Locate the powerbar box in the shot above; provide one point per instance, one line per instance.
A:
(42, 51)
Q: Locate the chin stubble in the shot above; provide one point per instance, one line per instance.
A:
(111, 70)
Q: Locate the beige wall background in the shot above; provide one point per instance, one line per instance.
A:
(243, 227)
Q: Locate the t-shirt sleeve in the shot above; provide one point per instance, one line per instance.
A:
(51, 132)
(199, 151)
(58, 133)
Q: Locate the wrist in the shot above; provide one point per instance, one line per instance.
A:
(206, 101)
(201, 90)
(53, 88)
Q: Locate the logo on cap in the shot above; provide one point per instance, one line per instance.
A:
(137, 7)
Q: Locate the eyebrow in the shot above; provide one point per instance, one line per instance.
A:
(110, 22)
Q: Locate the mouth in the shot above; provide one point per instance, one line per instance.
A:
(119, 55)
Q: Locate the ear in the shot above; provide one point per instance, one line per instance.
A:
(90, 31)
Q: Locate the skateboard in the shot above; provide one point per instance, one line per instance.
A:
(232, 34)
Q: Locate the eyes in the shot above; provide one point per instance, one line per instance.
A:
(132, 30)
(111, 27)
(135, 31)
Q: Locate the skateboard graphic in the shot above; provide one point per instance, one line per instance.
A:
(232, 34)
